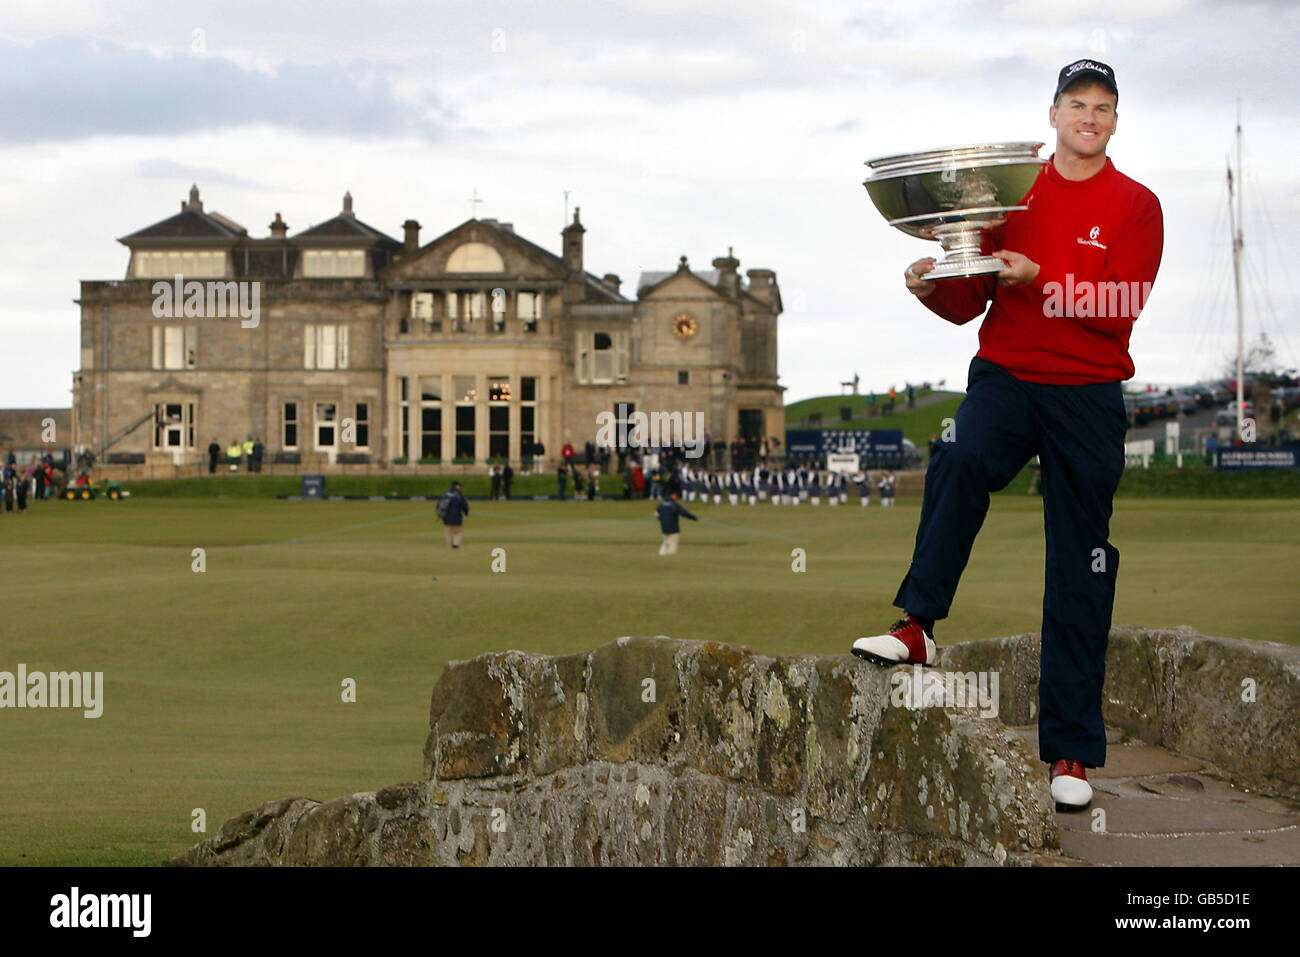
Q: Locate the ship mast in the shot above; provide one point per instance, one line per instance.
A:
(1235, 223)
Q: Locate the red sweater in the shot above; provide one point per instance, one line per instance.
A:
(1071, 325)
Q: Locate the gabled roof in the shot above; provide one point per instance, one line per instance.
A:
(653, 278)
(509, 236)
(346, 226)
(190, 223)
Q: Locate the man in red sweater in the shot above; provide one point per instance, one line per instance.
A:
(1079, 264)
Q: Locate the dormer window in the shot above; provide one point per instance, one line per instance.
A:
(333, 263)
(190, 263)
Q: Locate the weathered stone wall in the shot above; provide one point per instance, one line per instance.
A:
(655, 751)
(1228, 701)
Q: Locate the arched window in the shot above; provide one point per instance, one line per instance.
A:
(475, 257)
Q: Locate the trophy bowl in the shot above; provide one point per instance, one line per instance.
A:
(952, 195)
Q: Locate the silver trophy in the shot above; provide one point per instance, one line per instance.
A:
(952, 195)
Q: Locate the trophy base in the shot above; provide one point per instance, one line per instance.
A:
(960, 268)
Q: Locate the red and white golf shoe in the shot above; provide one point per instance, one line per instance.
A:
(1070, 788)
(906, 643)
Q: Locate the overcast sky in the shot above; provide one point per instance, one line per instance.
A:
(679, 128)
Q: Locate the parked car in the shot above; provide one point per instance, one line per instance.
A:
(1187, 403)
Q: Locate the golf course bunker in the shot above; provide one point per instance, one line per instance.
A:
(656, 751)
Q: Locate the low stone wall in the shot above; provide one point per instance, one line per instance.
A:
(1227, 701)
(655, 751)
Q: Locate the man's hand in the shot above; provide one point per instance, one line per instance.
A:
(913, 274)
(1019, 268)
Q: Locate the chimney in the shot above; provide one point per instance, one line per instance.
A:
(347, 204)
(279, 228)
(195, 203)
(412, 235)
(762, 284)
(573, 243)
(612, 280)
(508, 227)
(726, 267)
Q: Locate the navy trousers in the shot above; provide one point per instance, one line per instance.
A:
(1077, 431)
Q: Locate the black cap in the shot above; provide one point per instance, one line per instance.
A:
(1089, 69)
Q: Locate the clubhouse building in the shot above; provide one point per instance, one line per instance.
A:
(340, 345)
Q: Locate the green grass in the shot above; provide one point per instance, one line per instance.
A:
(917, 424)
(829, 405)
(222, 689)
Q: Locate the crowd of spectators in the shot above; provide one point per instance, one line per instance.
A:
(39, 479)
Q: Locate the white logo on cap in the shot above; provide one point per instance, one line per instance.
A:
(1094, 232)
(1087, 65)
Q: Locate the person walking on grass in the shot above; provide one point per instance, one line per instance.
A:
(452, 508)
(668, 512)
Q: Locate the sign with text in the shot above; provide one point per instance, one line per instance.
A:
(1258, 457)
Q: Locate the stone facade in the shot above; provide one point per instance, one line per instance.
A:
(364, 348)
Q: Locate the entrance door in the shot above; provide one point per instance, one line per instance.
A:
(751, 435)
(327, 429)
(174, 429)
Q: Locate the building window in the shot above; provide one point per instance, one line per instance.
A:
(466, 397)
(290, 431)
(431, 417)
(173, 425)
(467, 310)
(325, 347)
(404, 403)
(623, 421)
(326, 429)
(362, 423)
(527, 413)
(683, 376)
(174, 347)
(528, 307)
(475, 257)
(498, 309)
(498, 417)
(465, 432)
(422, 311)
(185, 262)
(333, 263)
(602, 357)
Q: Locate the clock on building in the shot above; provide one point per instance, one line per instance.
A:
(685, 326)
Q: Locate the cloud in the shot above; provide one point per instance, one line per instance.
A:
(68, 88)
(160, 168)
